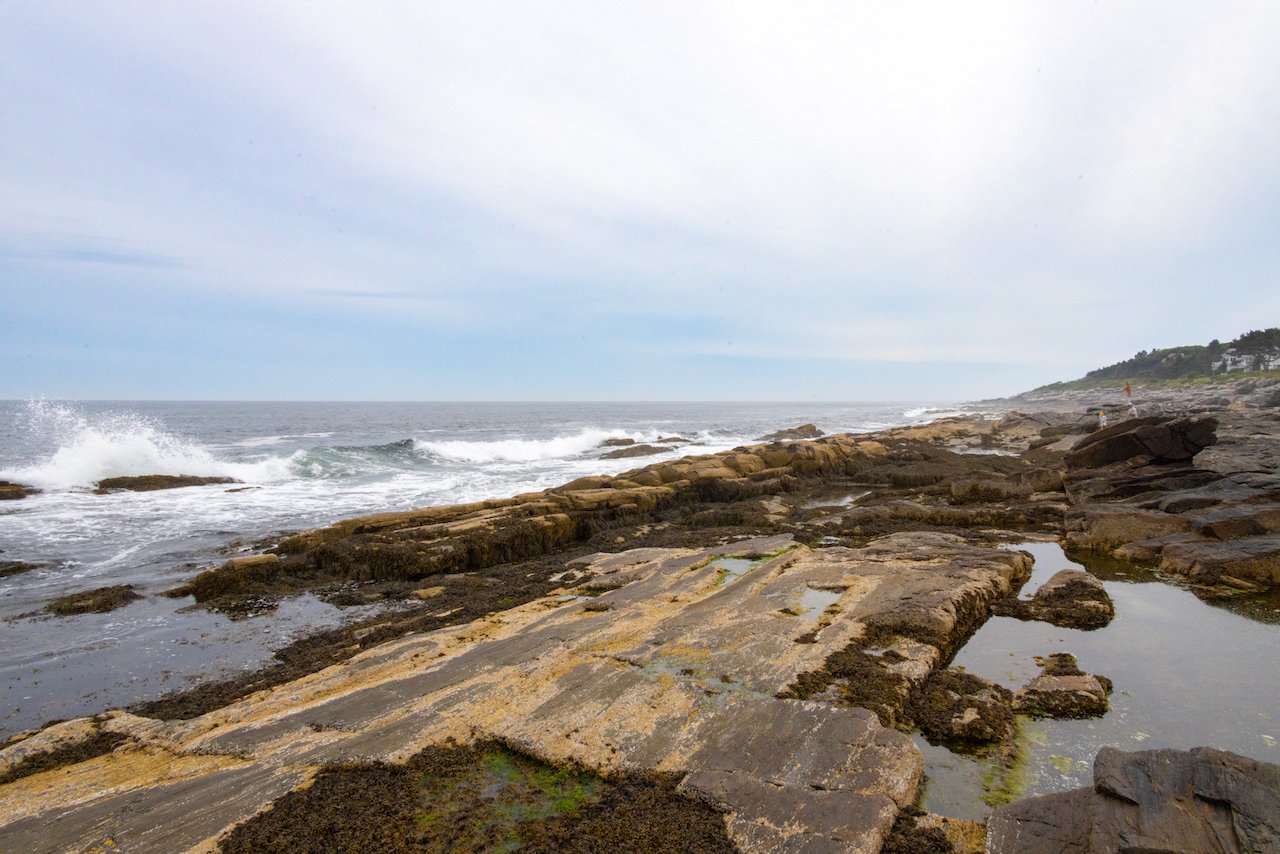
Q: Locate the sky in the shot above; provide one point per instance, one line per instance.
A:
(626, 201)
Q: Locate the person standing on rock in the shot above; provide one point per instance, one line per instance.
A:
(1133, 411)
(1102, 419)
(1128, 392)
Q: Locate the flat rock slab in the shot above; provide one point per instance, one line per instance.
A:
(676, 669)
(1255, 559)
(138, 801)
(1082, 696)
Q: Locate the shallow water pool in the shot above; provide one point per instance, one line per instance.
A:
(1187, 673)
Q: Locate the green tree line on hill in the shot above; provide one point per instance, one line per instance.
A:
(1257, 350)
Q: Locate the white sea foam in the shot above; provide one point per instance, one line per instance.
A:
(119, 445)
(263, 441)
(527, 450)
(259, 441)
(931, 413)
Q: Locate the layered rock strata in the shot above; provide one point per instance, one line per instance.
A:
(1138, 495)
(677, 669)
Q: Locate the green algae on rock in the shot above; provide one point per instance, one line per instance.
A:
(483, 797)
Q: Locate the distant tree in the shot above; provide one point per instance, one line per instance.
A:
(1262, 345)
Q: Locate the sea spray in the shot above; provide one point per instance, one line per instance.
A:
(81, 449)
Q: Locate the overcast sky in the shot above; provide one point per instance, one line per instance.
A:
(606, 200)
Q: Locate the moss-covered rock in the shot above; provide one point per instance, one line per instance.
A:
(961, 709)
(1063, 690)
(97, 601)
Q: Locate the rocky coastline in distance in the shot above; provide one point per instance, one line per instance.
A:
(721, 652)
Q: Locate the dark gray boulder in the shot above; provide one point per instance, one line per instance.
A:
(1202, 800)
(1144, 441)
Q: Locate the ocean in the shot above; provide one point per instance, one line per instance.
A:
(300, 465)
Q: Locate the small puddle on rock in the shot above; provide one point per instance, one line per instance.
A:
(1187, 673)
(813, 602)
(730, 569)
(846, 501)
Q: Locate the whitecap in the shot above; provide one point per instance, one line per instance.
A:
(527, 450)
(120, 444)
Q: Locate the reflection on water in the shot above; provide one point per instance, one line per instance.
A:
(1187, 673)
(730, 569)
(813, 602)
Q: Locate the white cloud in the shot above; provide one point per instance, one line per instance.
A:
(847, 180)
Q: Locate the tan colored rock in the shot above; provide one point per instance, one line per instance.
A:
(47, 740)
(1253, 559)
(1104, 526)
(679, 674)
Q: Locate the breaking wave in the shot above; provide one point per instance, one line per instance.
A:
(528, 450)
(88, 449)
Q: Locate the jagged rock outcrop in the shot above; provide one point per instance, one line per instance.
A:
(791, 434)
(1144, 441)
(1147, 501)
(1202, 800)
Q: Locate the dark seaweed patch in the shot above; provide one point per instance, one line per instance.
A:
(80, 751)
(96, 601)
(484, 797)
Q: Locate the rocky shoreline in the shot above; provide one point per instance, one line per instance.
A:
(737, 641)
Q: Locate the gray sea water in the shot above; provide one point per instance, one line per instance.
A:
(301, 465)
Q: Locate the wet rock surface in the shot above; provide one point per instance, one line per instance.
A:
(1201, 800)
(100, 600)
(961, 709)
(679, 676)
(14, 491)
(1072, 598)
(483, 797)
(635, 451)
(1063, 690)
(15, 567)
(151, 482)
